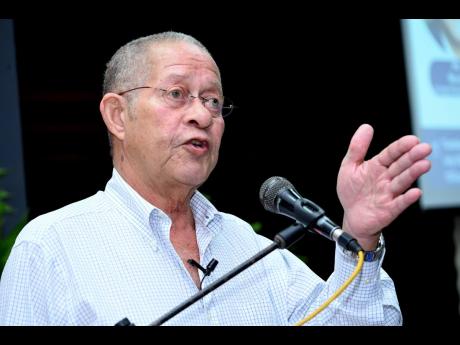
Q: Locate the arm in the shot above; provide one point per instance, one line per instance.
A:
(32, 288)
(373, 193)
(23, 288)
(369, 300)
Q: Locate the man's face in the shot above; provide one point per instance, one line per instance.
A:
(175, 146)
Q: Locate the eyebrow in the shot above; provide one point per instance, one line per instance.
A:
(175, 77)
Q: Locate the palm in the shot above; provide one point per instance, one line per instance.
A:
(374, 192)
(366, 196)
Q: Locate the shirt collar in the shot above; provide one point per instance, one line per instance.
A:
(141, 211)
(203, 211)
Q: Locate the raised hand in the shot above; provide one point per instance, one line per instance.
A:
(374, 192)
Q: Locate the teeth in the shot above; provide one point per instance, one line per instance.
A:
(197, 143)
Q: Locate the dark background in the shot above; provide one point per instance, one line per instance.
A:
(303, 87)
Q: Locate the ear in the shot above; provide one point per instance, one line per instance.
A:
(114, 110)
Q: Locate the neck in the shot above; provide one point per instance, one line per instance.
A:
(171, 198)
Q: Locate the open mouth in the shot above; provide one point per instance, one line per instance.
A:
(201, 145)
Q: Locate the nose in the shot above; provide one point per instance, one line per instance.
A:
(197, 114)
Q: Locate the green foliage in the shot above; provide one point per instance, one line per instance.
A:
(6, 242)
(4, 207)
(207, 196)
(257, 226)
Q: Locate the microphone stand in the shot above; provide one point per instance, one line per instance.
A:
(282, 240)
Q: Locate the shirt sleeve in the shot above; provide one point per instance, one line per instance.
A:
(30, 280)
(369, 300)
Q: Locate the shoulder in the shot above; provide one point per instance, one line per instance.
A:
(239, 229)
(241, 238)
(232, 219)
(239, 225)
(43, 227)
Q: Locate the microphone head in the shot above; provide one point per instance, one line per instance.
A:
(270, 189)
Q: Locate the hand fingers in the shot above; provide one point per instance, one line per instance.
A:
(396, 149)
(359, 144)
(404, 180)
(403, 201)
(418, 152)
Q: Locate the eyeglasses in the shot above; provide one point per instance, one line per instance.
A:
(178, 97)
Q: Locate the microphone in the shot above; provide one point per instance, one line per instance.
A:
(283, 239)
(211, 266)
(279, 196)
(206, 271)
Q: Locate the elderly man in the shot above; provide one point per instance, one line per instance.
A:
(125, 251)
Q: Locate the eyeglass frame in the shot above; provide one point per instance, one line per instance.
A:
(202, 99)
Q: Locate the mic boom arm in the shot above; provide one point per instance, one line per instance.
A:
(282, 240)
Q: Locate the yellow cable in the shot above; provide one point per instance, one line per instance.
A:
(337, 293)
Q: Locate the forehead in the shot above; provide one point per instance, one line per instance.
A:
(179, 61)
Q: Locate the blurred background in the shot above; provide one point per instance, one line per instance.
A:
(302, 89)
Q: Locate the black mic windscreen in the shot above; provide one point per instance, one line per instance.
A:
(270, 190)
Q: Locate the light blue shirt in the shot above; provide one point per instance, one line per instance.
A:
(109, 256)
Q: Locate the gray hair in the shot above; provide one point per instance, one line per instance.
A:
(129, 67)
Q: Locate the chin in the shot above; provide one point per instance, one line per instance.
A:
(194, 180)
(193, 175)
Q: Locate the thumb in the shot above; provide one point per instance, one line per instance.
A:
(359, 144)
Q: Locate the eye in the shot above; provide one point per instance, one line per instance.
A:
(213, 103)
(176, 94)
